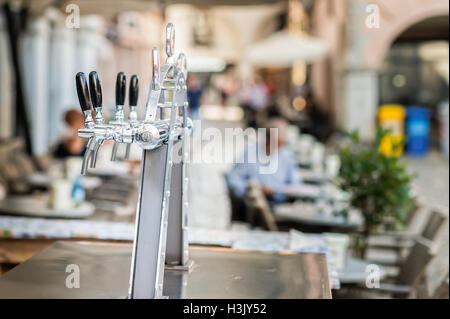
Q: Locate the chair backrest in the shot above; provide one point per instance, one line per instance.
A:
(257, 203)
(415, 263)
(435, 222)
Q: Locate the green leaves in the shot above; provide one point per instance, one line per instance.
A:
(379, 184)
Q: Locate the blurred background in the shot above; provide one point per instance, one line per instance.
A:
(326, 67)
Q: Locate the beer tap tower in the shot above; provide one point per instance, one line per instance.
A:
(161, 219)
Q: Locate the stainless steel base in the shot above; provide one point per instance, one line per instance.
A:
(216, 273)
(187, 267)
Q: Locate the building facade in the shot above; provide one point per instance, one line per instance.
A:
(361, 33)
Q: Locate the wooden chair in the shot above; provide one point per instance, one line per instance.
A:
(395, 235)
(415, 263)
(400, 242)
(258, 208)
(435, 223)
(411, 269)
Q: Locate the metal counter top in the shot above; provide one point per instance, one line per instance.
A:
(216, 273)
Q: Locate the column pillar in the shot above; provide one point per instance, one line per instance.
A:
(62, 71)
(360, 102)
(36, 77)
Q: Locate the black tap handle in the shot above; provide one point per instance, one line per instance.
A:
(134, 90)
(95, 89)
(82, 91)
(121, 83)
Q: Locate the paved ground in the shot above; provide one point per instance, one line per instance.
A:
(433, 178)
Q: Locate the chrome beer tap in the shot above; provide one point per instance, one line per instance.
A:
(133, 95)
(161, 230)
(85, 103)
(119, 117)
(95, 90)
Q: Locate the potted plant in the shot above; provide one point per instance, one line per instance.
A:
(379, 186)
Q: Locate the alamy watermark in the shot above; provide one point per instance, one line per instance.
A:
(373, 276)
(373, 16)
(73, 279)
(73, 16)
(232, 146)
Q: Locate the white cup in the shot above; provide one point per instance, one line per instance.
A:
(317, 155)
(73, 167)
(332, 165)
(338, 245)
(60, 194)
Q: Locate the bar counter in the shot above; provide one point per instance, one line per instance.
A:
(216, 273)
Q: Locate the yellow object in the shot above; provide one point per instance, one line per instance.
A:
(392, 117)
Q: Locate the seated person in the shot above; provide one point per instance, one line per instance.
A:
(71, 144)
(274, 171)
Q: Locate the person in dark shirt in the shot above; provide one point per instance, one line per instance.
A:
(285, 171)
(71, 144)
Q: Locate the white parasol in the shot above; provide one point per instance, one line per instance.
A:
(283, 48)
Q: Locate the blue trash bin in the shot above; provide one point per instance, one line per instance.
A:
(417, 130)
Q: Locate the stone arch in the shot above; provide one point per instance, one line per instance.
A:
(395, 25)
